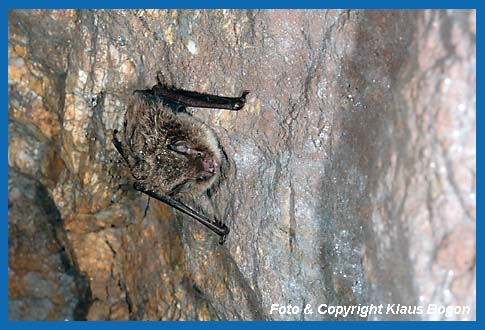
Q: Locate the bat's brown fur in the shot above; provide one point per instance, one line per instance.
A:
(151, 132)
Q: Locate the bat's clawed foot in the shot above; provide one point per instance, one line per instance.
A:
(222, 226)
(223, 230)
(222, 239)
(219, 223)
(139, 186)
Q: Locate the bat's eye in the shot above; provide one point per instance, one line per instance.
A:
(199, 154)
(180, 147)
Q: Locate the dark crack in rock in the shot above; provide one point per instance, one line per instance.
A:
(350, 177)
(44, 283)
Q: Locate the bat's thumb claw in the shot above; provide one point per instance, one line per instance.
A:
(159, 77)
(244, 93)
(239, 104)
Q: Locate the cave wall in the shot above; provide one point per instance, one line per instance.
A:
(350, 175)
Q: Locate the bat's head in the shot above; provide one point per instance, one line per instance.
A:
(195, 168)
(201, 161)
(171, 153)
(194, 157)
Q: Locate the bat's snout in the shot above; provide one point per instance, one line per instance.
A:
(210, 166)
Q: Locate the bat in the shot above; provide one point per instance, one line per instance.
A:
(171, 154)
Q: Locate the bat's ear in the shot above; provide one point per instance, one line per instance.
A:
(184, 187)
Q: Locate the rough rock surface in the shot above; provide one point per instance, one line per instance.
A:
(351, 171)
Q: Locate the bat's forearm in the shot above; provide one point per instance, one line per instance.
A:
(220, 229)
(200, 100)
